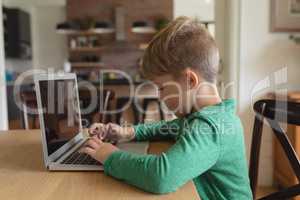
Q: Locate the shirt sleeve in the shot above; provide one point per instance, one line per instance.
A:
(157, 131)
(194, 153)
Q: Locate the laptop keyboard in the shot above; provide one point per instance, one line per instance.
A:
(77, 158)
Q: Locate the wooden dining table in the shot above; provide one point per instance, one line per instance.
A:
(24, 176)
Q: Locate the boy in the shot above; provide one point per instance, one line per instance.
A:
(183, 61)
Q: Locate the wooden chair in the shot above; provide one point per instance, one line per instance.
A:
(146, 103)
(28, 100)
(139, 117)
(103, 104)
(121, 102)
(275, 112)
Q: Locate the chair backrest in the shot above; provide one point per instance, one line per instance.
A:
(101, 105)
(28, 100)
(107, 97)
(275, 112)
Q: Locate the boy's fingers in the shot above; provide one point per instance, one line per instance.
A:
(97, 140)
(93, 127)
(108, 132)
(88, 151)
(92, 143)
(102, 134)
(90, 131)
(96, 129)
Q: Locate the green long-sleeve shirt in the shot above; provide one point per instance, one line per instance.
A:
(209, 150)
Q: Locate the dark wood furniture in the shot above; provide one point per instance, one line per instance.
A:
(139, 116)
(118, 44)
(135, 10)
(29, 119)
(274, 113)
(146, 102)
(95, 111)
(283, 174)
(17, 33)
(120, 106)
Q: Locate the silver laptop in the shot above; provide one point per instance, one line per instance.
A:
(60, 122)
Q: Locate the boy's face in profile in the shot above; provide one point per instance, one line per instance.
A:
(173, 92)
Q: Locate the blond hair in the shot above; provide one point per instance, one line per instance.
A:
(184, 43)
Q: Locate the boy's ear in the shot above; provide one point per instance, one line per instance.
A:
(192, 78)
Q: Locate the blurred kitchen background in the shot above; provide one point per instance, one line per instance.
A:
(87, 37)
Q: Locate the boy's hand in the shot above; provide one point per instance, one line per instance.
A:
(97, 129)
(98, 150)
(112, 132)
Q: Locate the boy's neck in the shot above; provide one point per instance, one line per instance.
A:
(205, 96)
(201, 98)
(202, 103)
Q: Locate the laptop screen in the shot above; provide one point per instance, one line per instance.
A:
(60, 112)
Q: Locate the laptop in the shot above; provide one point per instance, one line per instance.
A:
(61, 125)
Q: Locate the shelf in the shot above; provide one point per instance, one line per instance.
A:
(65, 32)
(86, 49)
(103, 30)
(87, 65)
(143, 30)
(97, 31)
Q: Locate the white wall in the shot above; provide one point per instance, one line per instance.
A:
(203, 9)
(49, 48)
(262, 54)
(3, 103)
